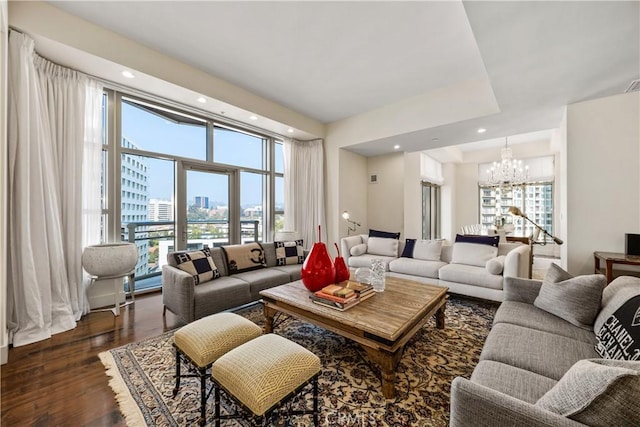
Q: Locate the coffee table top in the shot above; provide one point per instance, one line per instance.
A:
(388, 314)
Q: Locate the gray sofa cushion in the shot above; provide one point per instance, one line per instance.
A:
(599, 393)
(220, 294)
(294, 271)
(614, 295)
(541, 352)
(263, 279)
(416, 267)
(515, 382)
(576, 300)
(470, 275)
(527, 315)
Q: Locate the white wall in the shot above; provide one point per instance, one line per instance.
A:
(385, 200)
(412, 196)
(603, 178)
(353, 191)
(448, 202)
(466, 197)
(4, 341)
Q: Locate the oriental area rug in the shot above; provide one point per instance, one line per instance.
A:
(142, 374)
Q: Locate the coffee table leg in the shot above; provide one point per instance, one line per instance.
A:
(440, 316)
(388, 363)
(269, 313)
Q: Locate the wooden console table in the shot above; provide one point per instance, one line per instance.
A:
(611, 258)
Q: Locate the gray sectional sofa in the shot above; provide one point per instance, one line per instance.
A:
(189, 301)
(525, 358)
(480, 277)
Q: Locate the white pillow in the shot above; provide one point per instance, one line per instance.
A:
(382, 246)
(428, 250)
(496, 265)
(358, 250)
(472, 254)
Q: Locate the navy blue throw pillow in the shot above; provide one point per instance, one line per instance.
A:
(481, 240)
(384, 234)
(408, 248)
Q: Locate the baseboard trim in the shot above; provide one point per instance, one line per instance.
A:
(4, 354)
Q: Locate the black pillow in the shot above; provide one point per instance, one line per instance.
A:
(408, 248)
(619, 336)
(481, 240)
(384, 234)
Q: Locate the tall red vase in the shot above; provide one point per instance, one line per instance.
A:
(317, 269)
(342, 271)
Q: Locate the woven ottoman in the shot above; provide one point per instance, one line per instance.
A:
(262, 375)
(202, 342)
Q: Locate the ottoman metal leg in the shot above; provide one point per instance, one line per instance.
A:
(177, 386)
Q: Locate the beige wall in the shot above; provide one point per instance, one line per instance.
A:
(412, 196)
(353, 191)
(466, 197)
(4, 343)
(603, 179)
(385, 200)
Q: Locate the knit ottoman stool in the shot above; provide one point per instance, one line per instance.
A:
(202, 342)
(262, 375)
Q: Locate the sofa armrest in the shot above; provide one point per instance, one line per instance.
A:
(517, 263)
(521, 290)
(178, 289)
(346, 243)
(474, 405)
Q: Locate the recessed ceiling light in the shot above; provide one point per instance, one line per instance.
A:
(128, 74)
(395, 147)
(482, 130)
(202, 100)
(253, 117)
(290, 130)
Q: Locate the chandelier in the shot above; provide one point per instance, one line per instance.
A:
(509, 171)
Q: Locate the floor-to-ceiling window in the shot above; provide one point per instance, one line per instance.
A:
(175, 178)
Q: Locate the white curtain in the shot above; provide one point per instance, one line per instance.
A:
(46, 138)
(304, 208)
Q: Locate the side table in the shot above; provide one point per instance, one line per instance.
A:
(611, 258)
(117, 288)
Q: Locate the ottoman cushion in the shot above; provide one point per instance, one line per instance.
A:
(206, 339)
(263, 371)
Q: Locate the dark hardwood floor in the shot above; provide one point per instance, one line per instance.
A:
(61, 381)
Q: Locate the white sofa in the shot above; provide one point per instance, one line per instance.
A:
(466, 275)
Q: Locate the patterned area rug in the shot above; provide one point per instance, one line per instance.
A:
(142, 374)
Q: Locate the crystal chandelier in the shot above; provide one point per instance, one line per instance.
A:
(508, 172)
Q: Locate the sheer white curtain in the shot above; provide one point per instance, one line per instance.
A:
(304, 207)
(46, 139)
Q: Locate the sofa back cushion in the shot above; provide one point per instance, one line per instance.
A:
(473, 254)
(383, 234)
(597, 393)
(428, 250)
(382, 246)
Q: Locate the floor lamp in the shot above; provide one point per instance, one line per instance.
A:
(351, 223)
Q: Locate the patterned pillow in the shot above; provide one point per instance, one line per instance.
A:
(619, 336)
(245, 257)
(199, 264)
(288, 253)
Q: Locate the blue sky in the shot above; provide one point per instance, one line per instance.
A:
(153, 133)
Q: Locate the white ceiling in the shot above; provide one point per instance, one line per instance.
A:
(335, 60)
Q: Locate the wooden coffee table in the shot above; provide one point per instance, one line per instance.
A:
(382, 324)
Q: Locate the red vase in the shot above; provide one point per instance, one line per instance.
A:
(317, 270)
(342, 271)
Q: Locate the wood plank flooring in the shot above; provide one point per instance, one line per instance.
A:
(61, 381)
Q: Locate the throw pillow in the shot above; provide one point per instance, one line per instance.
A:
(428, 250)
(245, 257)
(576, 300)
(597, 393)
(619, 336)
(473, 254)
(358, 250)
(384, 234)
(288, 253)
(481, 240)
(409, 244)
(382, 246)
(496, 265)
(199, 264)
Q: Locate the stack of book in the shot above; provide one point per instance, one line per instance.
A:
(342, 297)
